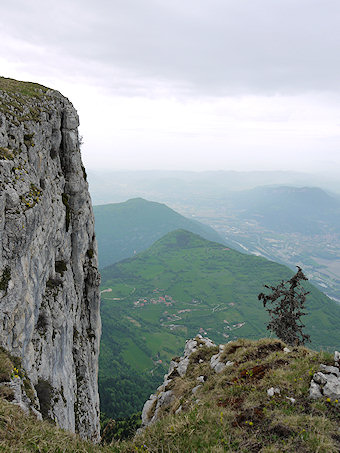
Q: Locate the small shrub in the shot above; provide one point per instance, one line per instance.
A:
(84, 172)
(288, 299)
(60, 267)
(53, 283)
(42, 323)
(45, 392)
(5, 278)
(31, 198)
(65, 199)
(90, 253)
(28, 140)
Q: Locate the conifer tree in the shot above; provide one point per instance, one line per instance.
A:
(288, 302)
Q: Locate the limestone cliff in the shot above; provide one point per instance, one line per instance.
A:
(49, 283)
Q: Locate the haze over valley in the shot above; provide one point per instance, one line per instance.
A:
(282, 216)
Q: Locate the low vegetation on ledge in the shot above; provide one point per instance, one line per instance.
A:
(258, 403)
(29, 89)
(235, 411)
(22, 101)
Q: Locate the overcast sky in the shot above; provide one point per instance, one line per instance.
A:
(188, 84)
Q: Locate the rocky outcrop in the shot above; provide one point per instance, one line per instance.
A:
(49, 283)
(165, 396)
(326, 382)
(217, 363)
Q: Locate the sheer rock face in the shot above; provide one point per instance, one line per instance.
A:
(49, 283)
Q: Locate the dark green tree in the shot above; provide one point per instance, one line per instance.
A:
(287, 304)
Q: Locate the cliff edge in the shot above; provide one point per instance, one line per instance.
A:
(49, 282)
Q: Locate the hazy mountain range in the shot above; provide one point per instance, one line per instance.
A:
(195, 188)
(285, 209)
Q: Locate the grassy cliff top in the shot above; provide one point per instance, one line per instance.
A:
(230, 412)
(24, 101)
(28, 89)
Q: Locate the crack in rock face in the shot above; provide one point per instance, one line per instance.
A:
(49, 282)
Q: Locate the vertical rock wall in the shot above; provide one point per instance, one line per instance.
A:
(49, 282)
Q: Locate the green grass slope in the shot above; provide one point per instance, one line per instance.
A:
(179, 287)
(124, 229)
(231, 412)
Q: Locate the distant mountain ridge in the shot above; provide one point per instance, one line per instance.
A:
(289, 209)
(124, 229)
(174, 186)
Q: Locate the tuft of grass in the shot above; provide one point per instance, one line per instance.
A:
(32, 197)
(6, 154)
(6, 366)
(21, 433)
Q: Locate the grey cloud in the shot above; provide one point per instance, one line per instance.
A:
(209, 47)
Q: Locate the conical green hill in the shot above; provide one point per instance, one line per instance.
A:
(124, 229)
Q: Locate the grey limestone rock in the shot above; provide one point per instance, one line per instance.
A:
(163, 386)
(218, 365)
(155, 403)
(332, 387)
(165, 398)
(273, 390)
(149, 410)
(314, 391)
(49, 282)
(196, 388)
(183, 366)
(326, 382)
(330, 370)
(320, 378)
(190, 347)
